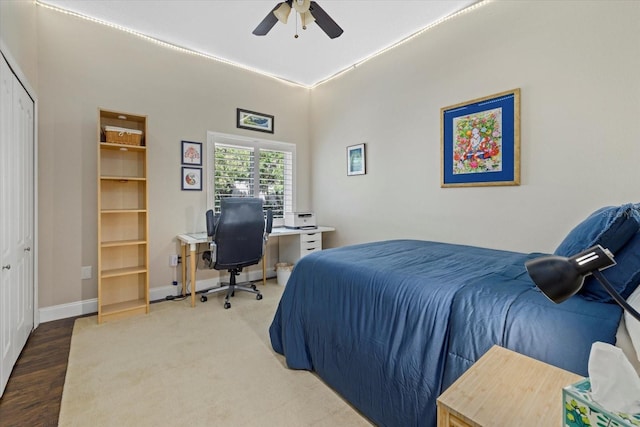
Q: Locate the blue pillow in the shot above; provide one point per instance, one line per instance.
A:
(614, 228)
(611, 227)
(624, 276)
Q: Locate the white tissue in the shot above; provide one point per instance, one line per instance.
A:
(615, 385)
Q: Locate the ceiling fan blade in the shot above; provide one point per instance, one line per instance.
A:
(324, 21)
(267, 23)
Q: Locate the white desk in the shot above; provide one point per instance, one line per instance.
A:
(297, 243)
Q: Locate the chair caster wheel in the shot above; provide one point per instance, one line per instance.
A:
(259, 297)
(203, 298)
(227, 305)
(254, 287)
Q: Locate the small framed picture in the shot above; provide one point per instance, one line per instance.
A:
(254, 121)
(356, 162)
(191, 178)
(191, 153)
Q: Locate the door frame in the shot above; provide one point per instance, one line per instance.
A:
(13, 64)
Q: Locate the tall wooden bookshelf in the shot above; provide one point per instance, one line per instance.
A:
(123, 226)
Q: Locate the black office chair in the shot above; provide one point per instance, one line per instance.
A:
(239, 236)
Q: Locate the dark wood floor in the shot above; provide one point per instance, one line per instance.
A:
(34, 391)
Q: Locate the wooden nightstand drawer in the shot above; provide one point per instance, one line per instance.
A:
(447, 419)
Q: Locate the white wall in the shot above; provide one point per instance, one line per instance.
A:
(84, 66)
(18, 35)
(576, 63)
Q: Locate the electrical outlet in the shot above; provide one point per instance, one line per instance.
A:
(173, 260)
(85, 272)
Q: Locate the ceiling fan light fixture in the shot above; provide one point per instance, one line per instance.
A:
(307, 18)
(301, 6)
(310, 11)
(282, 12)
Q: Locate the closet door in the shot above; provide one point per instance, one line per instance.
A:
(23, 120)
(7, 214)
(16, 219)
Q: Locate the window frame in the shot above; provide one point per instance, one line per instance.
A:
(256, 144)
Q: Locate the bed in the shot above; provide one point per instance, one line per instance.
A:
(390, 325)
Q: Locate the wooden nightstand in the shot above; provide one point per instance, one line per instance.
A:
(504, 388)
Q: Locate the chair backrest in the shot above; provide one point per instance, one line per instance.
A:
(238, 232)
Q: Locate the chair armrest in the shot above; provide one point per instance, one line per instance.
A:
(212, 223)
(269, 225)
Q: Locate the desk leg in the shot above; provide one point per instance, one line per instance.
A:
(264, 270)
(183, 255)
(192, 264)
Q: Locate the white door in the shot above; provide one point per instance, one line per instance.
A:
(16, 219)
(23, 120)
(7, 292)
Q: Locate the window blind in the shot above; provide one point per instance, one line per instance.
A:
(252, 171)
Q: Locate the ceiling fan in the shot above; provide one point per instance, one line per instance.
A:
(309, 11)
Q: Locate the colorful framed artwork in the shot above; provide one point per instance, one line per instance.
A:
(356, 161)
(254, 121)
(480, 141)
(191, 178)
(191, 153)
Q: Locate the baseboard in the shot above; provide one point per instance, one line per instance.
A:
(72, 309)
(90, 306)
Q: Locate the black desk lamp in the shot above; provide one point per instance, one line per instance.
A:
(560, 277)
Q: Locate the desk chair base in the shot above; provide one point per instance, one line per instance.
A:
(231, 288)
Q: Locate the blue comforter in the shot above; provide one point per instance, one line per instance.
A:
(390, 325)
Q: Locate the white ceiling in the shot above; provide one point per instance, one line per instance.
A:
(222, 28)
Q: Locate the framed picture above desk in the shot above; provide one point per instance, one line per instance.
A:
(293, 244)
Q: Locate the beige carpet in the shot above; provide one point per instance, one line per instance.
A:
(202, 366)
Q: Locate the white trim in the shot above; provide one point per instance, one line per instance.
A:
(90, 306)
(72, 309)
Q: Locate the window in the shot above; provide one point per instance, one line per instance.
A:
(240, 167)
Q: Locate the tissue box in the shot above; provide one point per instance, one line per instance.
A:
(580, 410)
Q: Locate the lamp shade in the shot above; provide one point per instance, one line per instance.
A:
(301, 6)
(560, 277)
(282, 12)
(306, 18)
